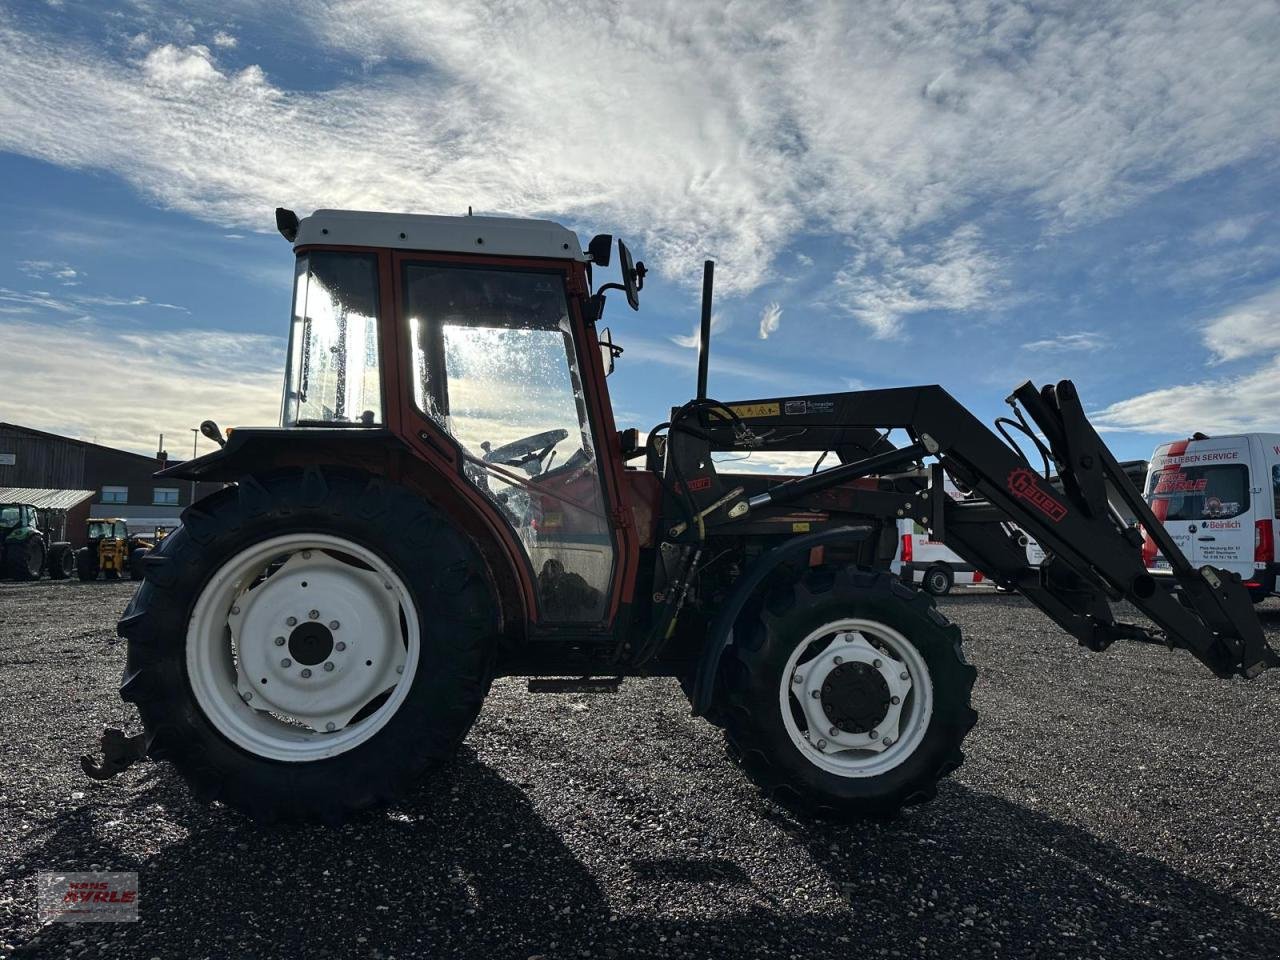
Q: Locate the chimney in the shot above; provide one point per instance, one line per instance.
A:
(162, 456)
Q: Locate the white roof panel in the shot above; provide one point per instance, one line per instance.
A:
(495, 236)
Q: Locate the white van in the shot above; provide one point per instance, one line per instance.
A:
(929, 562)
(1218, 497)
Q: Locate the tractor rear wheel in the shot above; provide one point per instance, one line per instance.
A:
(26, 559)
(306, 645)
(847, 694)
(62, 561)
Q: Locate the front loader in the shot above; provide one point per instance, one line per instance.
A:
(448, 500)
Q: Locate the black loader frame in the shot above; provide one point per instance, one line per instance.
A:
(1093, 557)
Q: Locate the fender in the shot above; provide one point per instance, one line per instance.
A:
(253, 449)
(721, 633)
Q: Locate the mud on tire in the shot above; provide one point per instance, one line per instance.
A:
(796, 604)
(440, 568)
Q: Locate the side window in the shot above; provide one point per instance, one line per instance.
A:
(494, 364)
(115, 494)
(165, 496)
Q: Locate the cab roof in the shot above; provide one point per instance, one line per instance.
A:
(493, 236)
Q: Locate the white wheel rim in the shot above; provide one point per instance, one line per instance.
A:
(281, 690)
(877, 650)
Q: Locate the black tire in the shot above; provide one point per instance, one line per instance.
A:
(62, 561)
(135, 563)
(751, 672)
(86, 564)
(440, 567)
(25, 560)
(938, 580)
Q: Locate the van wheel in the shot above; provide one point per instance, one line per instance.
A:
(938, 580)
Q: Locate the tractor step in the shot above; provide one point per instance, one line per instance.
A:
(574, 684)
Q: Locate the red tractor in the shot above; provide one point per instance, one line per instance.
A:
(448, 500)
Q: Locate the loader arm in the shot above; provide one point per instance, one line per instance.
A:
(1093, 558)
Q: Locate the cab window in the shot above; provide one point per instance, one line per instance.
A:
(494, 365)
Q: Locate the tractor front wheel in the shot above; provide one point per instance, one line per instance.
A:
(86, 564)
(847, 693)
(307, 645)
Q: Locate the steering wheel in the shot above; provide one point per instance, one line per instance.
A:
(517, 453)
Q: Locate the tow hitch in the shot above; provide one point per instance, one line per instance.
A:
(118, 754)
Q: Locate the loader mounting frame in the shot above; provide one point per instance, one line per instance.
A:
(1093, 557)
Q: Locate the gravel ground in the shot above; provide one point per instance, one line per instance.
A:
(1116, 805)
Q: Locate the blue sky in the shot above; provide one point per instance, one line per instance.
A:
(967, 193)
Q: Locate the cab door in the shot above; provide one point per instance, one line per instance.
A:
(1203, 492)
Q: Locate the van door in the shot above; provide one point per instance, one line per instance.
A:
(1203, 492)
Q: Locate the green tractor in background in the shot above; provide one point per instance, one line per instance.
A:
(26, 549)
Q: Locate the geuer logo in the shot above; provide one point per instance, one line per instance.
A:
(1023, 485)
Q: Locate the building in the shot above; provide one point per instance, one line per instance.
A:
(122, 482)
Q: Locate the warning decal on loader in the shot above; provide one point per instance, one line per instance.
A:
(748, 410)
(1023, 485)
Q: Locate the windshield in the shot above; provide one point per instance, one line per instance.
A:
(99, 529)
(1200, 493)
(8, 516)
(333, 374)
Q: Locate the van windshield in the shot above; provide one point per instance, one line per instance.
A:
(1200, 493)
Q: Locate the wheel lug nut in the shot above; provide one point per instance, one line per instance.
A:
(815, 694)
(822, 744)
(887, 741)
(339, 646)
(834, 731)
(904, 675)
(314, 614)
(895, 699)
(306, 554)
(877, 663)
(291, 621)
(796, 678)
(838, 659)
(331, 726)
(246, 696)
(328, 667)
(400, 669)
(333, 624)
(306, 672)
(286, 662)
(279, 641)
(873, 734)
(235, 610)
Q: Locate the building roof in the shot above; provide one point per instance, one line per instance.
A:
(76, 441)
(43, 499)
(494, 236)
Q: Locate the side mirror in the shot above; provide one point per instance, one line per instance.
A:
(609, 351)
(210, 430)
(600, 249)
(632, 276)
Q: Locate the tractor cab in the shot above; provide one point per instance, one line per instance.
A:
(472, 338)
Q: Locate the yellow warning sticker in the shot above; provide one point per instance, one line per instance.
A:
(800, 527)
(747, 410)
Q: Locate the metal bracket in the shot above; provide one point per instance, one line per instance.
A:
(118, 754)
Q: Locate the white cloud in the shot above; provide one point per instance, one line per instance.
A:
(886, 282)
(770, 319)
(719, 323)
(224, 40)
(871, 123)
(176, 379)
(1233, 404)
(1084, 341)
(1251, 328)
(63, 273)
